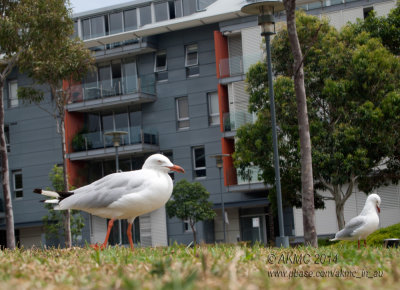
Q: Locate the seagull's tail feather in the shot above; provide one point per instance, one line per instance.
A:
(334, 239)
(57, 196)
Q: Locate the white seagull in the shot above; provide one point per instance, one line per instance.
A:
(122, 195)
(361, 226)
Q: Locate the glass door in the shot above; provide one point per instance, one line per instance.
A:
(130, 77)
(253, 229)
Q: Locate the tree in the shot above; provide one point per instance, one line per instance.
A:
(387, 28)
(53, 222)
(66, 59)
(190, 202)
(307, 190)
(353, 105)
(26, 25)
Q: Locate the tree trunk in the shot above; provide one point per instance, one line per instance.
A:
(194, 232)
(310, 234)
(5, 176)
(340, 214)
(67, 213)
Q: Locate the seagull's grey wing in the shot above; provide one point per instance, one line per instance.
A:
(104, 191)
(353, 225)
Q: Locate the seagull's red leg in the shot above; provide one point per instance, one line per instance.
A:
(129, 233)
(104, 245)
(358, 244)
(365, 243)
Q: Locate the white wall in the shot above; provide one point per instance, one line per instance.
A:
(326, 222)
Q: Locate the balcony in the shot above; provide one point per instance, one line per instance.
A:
(97, 145)
(248, 183)
(113, 93)
(234, 68)
(234, 120)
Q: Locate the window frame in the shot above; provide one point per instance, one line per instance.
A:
(180, 119)
(7, 136)
(15, 189)
(187, 48)
(160, 68)
(13, 101)
(212, 115)
(195, 168)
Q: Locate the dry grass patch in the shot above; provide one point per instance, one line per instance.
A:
(204, 267)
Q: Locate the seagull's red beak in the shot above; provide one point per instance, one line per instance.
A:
(177, 168)
(378, 209)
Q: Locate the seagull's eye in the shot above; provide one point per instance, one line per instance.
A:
(159, 161)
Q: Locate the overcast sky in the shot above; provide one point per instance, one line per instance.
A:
(85, 5)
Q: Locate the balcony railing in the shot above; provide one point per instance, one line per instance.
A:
(115, 87)
(233, 120)
(252, 173)
(97, 140)
(237, 65)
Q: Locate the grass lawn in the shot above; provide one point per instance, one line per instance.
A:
(206, 267)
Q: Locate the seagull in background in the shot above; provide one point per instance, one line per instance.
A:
(122, 195)
(361, 226)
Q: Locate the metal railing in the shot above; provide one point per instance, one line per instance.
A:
(114, 87)
(97, 140)
(233, 120)
(238, 65)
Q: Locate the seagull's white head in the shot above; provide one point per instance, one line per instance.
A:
(161, 162)
(375, 200)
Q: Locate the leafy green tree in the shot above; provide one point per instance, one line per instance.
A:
(26, 27)
(353, 102)
(53, 222)
(387, 28)
(190, 202)
(65, 62)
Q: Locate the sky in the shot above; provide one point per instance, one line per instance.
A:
(85, 5)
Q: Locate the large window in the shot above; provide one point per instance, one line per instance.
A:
(161, 11)
(18, 184)
(199, 162)
(94, 27)
(191, 60)
(213, 108)
(182, 110)
(13, 94)
(145, 15)
(116, 23)
(130, 20)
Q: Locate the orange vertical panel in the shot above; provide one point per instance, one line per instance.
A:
(73, 124)
(230, 176)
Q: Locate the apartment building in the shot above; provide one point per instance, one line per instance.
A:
(171, 75)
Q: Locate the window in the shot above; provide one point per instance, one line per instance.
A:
(7, 135)
(145, 15)
(161, 11)
(367, 11)
(191, 55)
(186, 226)
(182, 110)
(191, 60)
(17, 182)
(213, 108)
(13, 94)
(177, 9)
(130, 20)
(189, 7)
(199, 162)
(202, 4)
(94, 27)
(160, 65)
(115, 22)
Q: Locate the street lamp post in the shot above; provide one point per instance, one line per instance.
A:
(219, 162)
(116, 139)
(265, 11)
